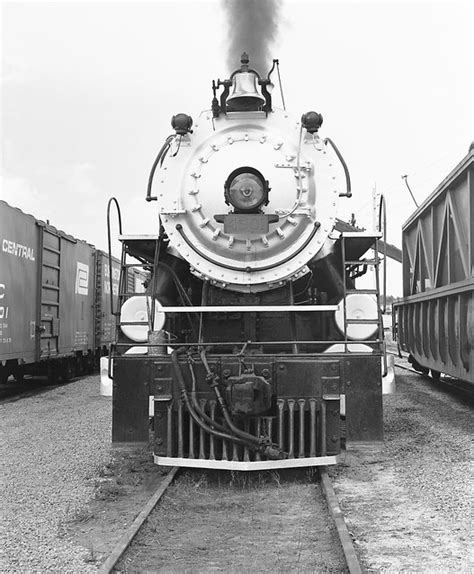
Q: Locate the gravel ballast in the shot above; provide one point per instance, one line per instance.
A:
(409, 507)
(52, 448)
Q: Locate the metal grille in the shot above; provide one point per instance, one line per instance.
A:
(298, 428)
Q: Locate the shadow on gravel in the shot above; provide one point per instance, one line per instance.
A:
(13, 391)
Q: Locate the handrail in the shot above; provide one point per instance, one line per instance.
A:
(112, 200)
(383, 228)
(247, 308)
(344, 165)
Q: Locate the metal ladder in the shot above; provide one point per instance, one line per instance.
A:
(97, 308)
(373, 262)
(126, 287)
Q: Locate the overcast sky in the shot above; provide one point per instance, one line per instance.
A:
(88, 90)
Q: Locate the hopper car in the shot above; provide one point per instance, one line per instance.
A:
(254, 323)
(435, 318)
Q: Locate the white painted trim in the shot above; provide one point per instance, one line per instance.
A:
(246, 465)
(137, 237)
(365, 234)
(249, 308)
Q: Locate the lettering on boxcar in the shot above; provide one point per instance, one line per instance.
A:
(115, 280)
(115, 287)
(4, 309)
(81, 339)
(115, 273)
(82, 279)
(13, 248)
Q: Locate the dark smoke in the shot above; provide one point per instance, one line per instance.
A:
(252, 27)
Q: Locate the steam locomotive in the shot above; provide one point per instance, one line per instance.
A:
(252, 333)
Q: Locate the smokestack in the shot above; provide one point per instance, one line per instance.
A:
(252, 27)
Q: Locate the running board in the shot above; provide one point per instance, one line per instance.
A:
(246, 465)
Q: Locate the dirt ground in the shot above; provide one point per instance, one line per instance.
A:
(122, 487)
(236, 522)
(211, 522)
(408, 507)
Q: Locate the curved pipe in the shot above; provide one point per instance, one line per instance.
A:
(109, 242)
(160, 156)
(195, 417)
(247, 440)
(344, 165)
(198, 409)
(256, 443)
(222, 404)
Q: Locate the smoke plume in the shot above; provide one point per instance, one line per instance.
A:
(252, 27)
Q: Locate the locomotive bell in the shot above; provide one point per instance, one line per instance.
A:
(245, 95)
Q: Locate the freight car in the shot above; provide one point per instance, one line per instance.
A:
(435, 319)
(55, 311)
(252, 327)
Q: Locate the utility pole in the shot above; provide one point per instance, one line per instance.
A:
(404, 177)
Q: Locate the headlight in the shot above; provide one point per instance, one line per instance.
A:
(246, 190)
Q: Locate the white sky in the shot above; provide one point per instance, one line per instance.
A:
(88, 90)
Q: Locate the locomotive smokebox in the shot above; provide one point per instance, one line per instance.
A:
(245, 95)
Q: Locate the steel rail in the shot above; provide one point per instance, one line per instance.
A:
(126, 539)
(456, 386)
(334, 508)
(341, 526)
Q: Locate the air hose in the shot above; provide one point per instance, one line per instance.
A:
(242, 438)
(192, 412)
(254, 442)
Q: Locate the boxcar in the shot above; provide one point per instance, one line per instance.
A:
(435, 318)
(55, 312)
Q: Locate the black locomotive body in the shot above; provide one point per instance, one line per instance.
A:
(252, 334)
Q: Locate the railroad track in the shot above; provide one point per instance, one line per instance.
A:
(460, 388)
(151, 545)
